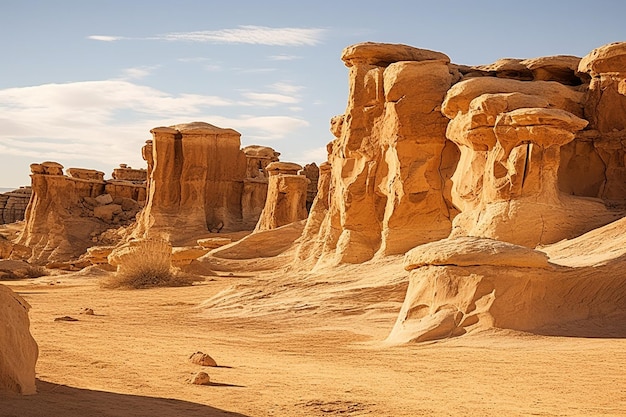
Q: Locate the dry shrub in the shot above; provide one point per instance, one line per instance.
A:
(31, 271)
(147, 264)
(34, 271)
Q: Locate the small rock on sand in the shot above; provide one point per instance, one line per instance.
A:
(201, 378)
(65, 318)
(202, 359)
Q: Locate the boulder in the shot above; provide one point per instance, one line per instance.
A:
(18, 350)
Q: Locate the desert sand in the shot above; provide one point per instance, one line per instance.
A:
(284, 349)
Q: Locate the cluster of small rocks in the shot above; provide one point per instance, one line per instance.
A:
(202, 359)
(118, 210)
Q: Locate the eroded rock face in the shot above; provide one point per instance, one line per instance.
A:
(388, 180)
(67, 213)
(13, 205)
(18, 350)
(603, 173)
(286, 196)
(256, 182)
(196, 182)
(461, 285)
(506, 183)
(312, 172)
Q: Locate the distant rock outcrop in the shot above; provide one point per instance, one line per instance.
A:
(202, 182)
(18, 349)
(286, 196)
(13, 204)
(67, 213)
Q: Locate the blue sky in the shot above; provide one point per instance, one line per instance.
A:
(83, 81)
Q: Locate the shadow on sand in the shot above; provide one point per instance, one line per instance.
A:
(62, 401)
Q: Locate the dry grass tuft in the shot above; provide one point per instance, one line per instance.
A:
(34, 271)
(31, 271)
(146, 264)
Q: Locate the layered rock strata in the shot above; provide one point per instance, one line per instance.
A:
(506, 183)
(286, 196)
(67, 213)
(199, 182)
(390, 162)
(466, 284)
(13, 205)
(256, 182)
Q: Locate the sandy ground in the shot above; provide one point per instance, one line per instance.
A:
(309, 346)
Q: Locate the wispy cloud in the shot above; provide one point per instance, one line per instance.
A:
(269, 99)
(105, 38)
(283, 57)
(254, 35)
(108, 121)
(280, 93)
(251, 35)
(137, 73)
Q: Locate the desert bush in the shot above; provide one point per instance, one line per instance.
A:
(34, 271)
(147, 264)
(31, 271)
(7, 275)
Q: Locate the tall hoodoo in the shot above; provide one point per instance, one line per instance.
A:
(196, 181)
(390, 163)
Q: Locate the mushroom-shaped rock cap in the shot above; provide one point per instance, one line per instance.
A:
(261, 152)
(197, 128)
(503, 64)
(383, 54)
(507, 68)
(85, 174)
(541, 116)
(474, 251)
(459, 97)
(283, 168)
(202, 127)
(607, 58)
(545, 127)
(47, 168)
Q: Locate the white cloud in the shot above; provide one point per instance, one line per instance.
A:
(108, 121)
(286, 88)
(137, 73)
(283, 57)
(105, 38)
(281, 93)
(317, 155)
(255, 35)
(269, 99)
(251, 35)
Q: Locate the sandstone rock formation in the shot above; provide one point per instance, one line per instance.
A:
(202, 182)
(13, 204)
(66, 213)
(18, 349)
(506, 183)
(532, 153)
(286, 196)
(390, 163)
(312, 172)
(256, 182)
(466, 284)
